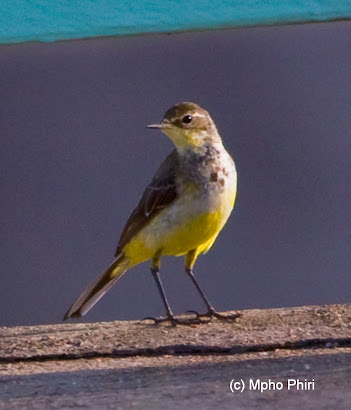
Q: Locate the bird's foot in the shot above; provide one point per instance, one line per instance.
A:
(199, 319)
(174, 321)
(211, 313)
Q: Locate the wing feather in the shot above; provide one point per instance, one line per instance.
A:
(160, 193)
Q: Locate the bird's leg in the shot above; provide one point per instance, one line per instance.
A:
(156, 275)
(211, 312)
(170, 317)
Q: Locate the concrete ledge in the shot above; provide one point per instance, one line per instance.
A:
(257, 330)
(123, 363)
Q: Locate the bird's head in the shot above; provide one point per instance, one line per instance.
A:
(188, 126)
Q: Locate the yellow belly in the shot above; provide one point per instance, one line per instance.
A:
(180, 229)
(195, 233)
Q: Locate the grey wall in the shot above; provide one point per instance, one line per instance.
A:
(75, 157)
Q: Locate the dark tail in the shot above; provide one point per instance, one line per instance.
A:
(98, 288)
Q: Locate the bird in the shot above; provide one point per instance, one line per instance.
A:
(180, 213)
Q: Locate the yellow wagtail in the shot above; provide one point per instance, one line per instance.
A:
(181, 211)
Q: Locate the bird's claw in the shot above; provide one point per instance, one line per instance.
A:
(233, 316)
(200, 318)
(211, 313)
(176, 321)
(158, 320)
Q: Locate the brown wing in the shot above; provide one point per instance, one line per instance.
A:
(159, 193)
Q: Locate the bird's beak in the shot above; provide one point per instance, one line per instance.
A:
(162, 125)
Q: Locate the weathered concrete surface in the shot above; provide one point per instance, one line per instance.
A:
(140, 365)
(257, 330)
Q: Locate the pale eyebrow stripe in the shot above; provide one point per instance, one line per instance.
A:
(198, 115)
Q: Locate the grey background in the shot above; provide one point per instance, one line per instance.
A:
(75, 157)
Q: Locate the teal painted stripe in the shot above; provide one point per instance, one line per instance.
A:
(49, 20)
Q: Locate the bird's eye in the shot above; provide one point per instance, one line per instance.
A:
(187, 119)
